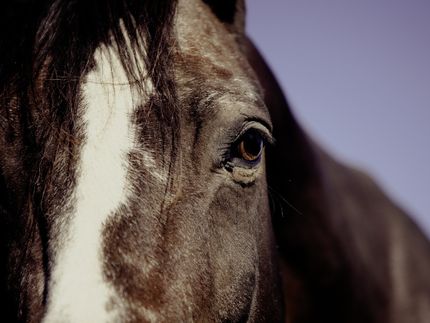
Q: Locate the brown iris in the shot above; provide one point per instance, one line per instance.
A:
(251, 146)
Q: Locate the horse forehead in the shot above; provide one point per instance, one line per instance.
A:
(210, 39)
(209, 57)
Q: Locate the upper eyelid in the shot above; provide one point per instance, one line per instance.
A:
(234, 134)
(259, 126)
(261, 120)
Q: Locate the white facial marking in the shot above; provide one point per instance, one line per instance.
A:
(78, 291)
(149, 162)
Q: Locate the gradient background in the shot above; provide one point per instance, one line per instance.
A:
(357, 74)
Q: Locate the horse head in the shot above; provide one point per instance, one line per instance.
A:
(151, 171)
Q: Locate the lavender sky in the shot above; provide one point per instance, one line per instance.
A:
(357, 74)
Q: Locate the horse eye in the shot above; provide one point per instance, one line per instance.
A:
(250, 146)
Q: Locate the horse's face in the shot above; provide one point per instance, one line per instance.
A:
(159, 225)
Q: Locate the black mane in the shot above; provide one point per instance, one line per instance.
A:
(69, 31)
(47, 46)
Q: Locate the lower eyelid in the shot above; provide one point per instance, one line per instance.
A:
(244, 175)
(248, 164)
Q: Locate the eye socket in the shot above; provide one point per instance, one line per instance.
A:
(242, 157)
(250, 146)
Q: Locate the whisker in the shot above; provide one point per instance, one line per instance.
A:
(284, 200)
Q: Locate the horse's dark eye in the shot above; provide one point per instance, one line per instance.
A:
(250, 146)
(244, 152)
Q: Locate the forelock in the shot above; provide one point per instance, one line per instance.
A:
(56, 39)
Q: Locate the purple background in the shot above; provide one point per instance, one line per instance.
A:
(357, 74)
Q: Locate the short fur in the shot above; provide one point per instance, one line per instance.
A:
(192, 242)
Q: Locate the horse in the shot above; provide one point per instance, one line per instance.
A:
(151, 170)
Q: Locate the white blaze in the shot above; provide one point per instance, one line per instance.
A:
(78, 291)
